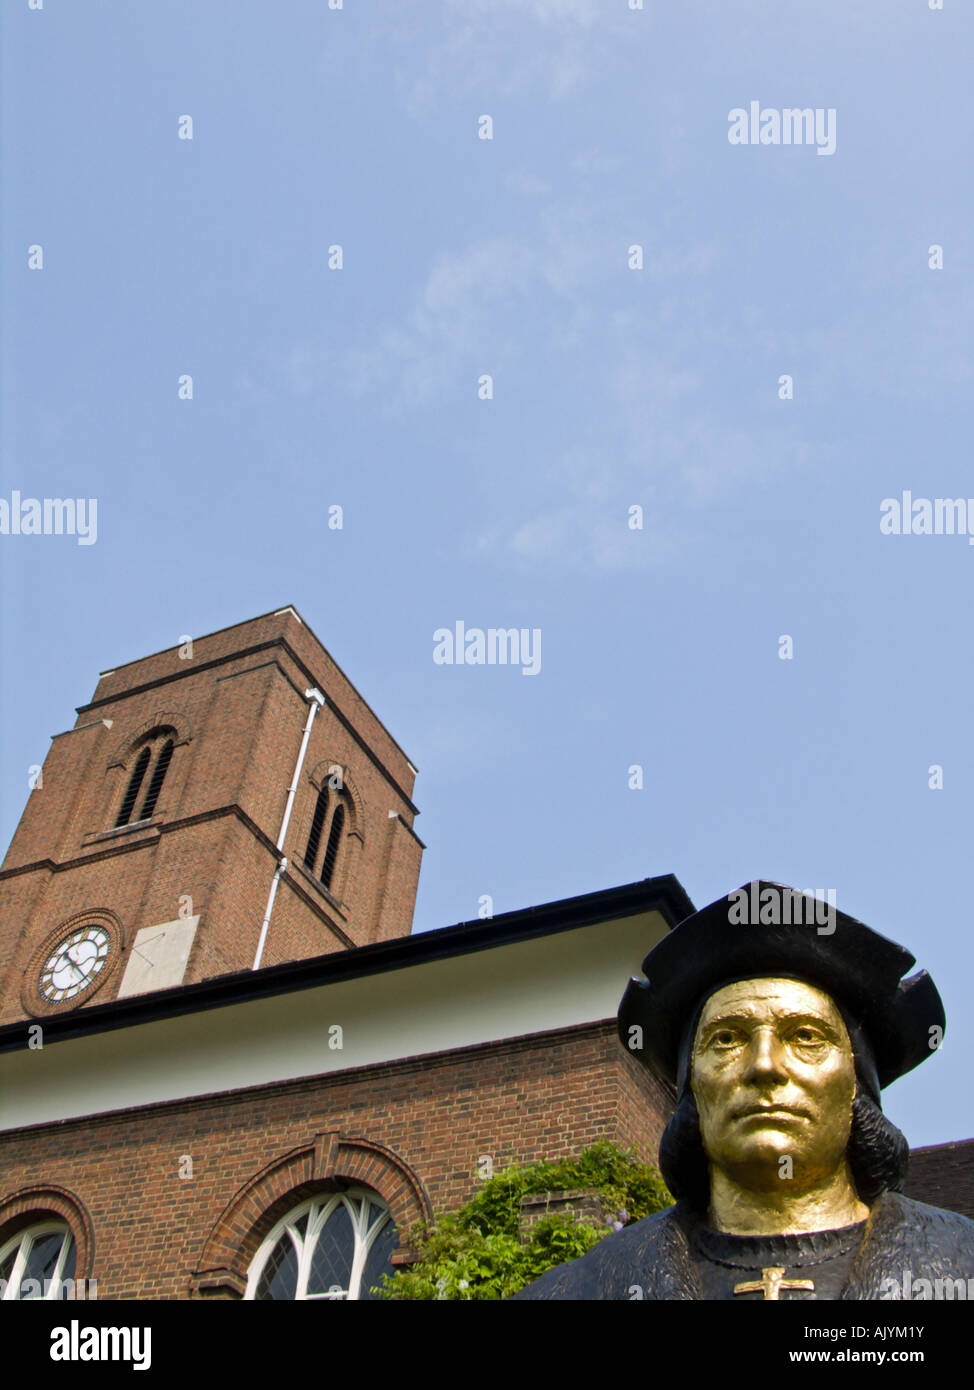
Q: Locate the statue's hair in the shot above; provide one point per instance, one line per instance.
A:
(878, 1152)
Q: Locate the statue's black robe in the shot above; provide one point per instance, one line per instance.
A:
(651, 1259)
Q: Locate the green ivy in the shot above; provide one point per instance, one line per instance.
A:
(474, 1252)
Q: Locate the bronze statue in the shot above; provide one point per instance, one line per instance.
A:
(778, 1021)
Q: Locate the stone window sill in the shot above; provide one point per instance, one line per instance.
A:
(119, 831)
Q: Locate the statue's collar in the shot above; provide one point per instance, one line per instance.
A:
(754, 1252)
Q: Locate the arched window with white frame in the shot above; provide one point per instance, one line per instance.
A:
(38, 1262)
(332, 1247)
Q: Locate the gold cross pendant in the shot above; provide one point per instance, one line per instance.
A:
(772, 1281)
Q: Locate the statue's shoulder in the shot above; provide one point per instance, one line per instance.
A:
(649, 1259)
(909, 1241)
(937, 1223)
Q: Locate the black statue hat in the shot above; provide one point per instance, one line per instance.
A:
(800, 937)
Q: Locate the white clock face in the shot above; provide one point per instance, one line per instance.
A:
(74, 964)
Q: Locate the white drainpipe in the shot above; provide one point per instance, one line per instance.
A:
(317, 700)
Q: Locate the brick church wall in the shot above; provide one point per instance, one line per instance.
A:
(518, 1101)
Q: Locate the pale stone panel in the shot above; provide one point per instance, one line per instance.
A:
(159, 956)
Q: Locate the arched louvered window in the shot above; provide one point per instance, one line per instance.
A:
(156, 753)
(331, 823)
(157, 779)
(317, 824)
(332, 848)
(135, 782)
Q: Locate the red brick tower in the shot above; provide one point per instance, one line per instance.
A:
(227, 802)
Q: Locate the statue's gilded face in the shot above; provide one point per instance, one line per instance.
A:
(773, 1077)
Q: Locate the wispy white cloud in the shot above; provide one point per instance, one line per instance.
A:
(552, 47)
(677, 471)
(641, 369)
(465, 315)
(528, 184)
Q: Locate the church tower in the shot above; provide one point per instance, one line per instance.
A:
(225, 805)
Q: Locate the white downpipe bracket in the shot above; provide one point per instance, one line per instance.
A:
(317, 701)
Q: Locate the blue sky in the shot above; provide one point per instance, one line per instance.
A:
(613, 388)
